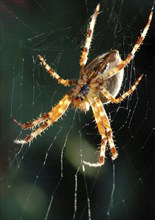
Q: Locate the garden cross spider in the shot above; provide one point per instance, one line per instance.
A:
(99, 83)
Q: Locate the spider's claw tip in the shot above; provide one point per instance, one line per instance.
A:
(39, 56)
(114, 156)
(98, 164)
(16, 122)
(141, 76)
(98, 7)
(19, 141)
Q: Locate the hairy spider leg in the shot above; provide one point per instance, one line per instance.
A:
(105, 131)
(32, 124)
(54, 115)
(122, 97)
(101, 128)
(90, 30)
(64, 82)
(130, 56)
(36, 122)
(107, 126)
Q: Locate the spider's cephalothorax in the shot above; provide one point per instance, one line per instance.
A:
(99, 83)
(94, 84)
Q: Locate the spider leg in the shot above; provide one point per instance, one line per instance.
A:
(107, 126)
(32, 124)
(130, 56)
(65, 82)
(105, 130)
(102, 131)
(122, 97)
(90, 30)
(54, 115)
(36, 122)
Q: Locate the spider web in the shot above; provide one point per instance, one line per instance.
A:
(46, 180)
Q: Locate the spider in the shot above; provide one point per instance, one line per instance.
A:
(99, 83)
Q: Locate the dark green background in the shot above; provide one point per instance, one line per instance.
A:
(55, 29)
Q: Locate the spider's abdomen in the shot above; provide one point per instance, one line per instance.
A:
(101, 65)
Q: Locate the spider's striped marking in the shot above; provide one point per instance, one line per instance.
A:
(54, 115)
(90, 30)
(64, 82)
(130, 56)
